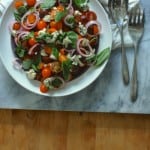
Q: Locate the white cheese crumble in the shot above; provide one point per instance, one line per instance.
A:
(66, 42)
(31, 74)
(43, 31)
(82, 29)
(43, 53)
(47, 18)
(77, 12)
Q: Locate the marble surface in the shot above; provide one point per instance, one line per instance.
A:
(106, 94)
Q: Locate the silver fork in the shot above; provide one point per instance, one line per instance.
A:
(119, 9)
(136, 29)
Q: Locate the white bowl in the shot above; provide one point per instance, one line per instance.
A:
(7, 55)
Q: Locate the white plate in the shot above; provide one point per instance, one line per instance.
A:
(7, 55)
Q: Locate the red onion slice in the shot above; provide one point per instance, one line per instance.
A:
(94, 22)
(24, 22)
(31, 50)
(82, 51)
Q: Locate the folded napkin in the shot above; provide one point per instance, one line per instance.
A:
(117, 40)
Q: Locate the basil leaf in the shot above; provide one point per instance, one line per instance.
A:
(26, 64)
(20, 51)
(73, 37)
(66, 66)
(22, 10)
(80, 3)
(17, 16)
(55, 52)
(60, 15)
(47, 4)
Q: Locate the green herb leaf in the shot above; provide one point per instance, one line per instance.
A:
(26, 64)
(47, 4)
(100, 58)
(81, 3)
(17, 16)
(73, 37)
(56, 83)
(55, 52)
(20, 51)
(22, 10)
(66, 66)
(60, 15)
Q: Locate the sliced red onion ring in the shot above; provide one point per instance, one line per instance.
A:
(37, 4)
(20, 36)
(94, 22)
(82, 51)
(71, 10)
(25, 24)
(30, 52)
(16, 64)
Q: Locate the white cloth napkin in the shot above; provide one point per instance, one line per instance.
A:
(116, 36)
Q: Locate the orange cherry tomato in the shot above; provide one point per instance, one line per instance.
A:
(19, 4)
(56, 25)
(48, 50)
(46, 72)
(62, 51)
(95, 29)
(31, 3)
(43, 88)
(31, 18)
(32, 41)
(51, 30)
(41, 25)
(62, 58)
(60, 8)
(16, 26)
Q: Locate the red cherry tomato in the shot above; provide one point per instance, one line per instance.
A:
(46, 72)
(43, 88)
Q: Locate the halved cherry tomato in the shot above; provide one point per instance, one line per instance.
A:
(41, 25)
(32, 41)
(43, 88)
(46, 72)
(48, 50)
(62, 58)
(31, 18)
(60, 8)
(51, 30)
(19, 4)
(91, 15)
(31, 3)
(16, 26)
(56, 25)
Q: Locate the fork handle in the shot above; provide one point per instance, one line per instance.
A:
(134, 80)
(125, 70)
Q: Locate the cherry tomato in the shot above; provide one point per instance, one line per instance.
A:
(62, 58)
(32, 41)
(16, 26)
(48, 50)
(41, 25)
(82, 18)
(51, 30)
(91, 15)
(18, 4)
(31, 18)
(56, 25)
(46, 72)
(43, 88)
(31, 3)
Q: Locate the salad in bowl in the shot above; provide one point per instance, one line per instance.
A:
(55, 41)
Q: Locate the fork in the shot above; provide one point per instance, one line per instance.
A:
(119, 9)
(136, 29)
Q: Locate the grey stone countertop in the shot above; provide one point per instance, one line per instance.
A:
(106, 94)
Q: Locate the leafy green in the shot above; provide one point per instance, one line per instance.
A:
(55, 52)
(20, 51)
(56, 83)
(66, 66)
(30, 35)
(80, 3)
(60, 15)
(100, 58)
(73, 37)
(64, 1)
(22, 10)
(26, 64)
(47, 4)
(17, 16)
